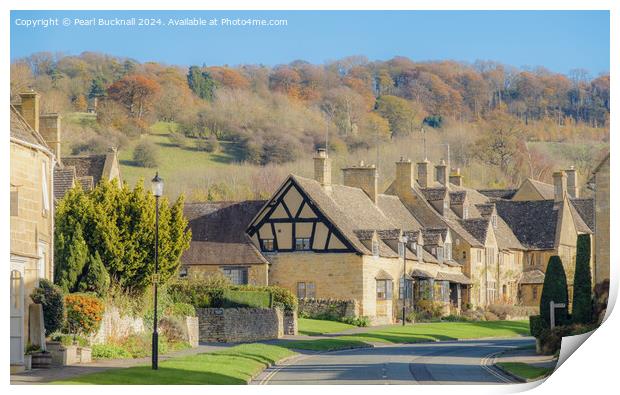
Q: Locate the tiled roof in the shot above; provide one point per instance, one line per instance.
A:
(545, 190)
(389, 234)
(458, 278)
(498, 193)
(434, 194)
(477, 227)
(485, 209)
(91, 165)
(585, 208)
(218, 233)
(383, 275)
(420, 274)
(364, 234)
(533, 222)
(63, 181)
(395, 210)
(22, 131)
(457, 197)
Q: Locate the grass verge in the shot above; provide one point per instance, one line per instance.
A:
(325, 344)
(525, 371)
(310, 327)
(236, 365)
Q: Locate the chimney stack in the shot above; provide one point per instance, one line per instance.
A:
(571, 182)
(559, 186)
(424, 174)
(51, 132)
(30, 108)
(441, 171)
(363, 177)
(456, 178)
(404, 174)
(322, 167)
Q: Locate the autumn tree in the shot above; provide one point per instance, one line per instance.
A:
(136, 93)
(499, 143)
(402, 115)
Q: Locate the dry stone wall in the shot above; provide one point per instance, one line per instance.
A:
(241, 324)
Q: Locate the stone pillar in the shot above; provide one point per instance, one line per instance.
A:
(36, 326)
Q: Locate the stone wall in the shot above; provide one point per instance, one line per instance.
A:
(324, 307)
(114, 326)
(290, 323)
(239, 324)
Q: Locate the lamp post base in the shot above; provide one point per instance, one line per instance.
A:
(154, 353)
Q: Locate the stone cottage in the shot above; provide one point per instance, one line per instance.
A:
(32, 216)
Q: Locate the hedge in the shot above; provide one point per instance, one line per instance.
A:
(50, 297)
(240, 298)
(537, 325)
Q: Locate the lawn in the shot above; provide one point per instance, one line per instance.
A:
(332, 344)
(437, 331)
(310, 327)
(526, 371)
(236, 365)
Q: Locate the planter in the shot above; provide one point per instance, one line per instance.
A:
(41, 360)
(63, 355)
(28, 362)
(84, 354)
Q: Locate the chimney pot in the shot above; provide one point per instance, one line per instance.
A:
(50, 129)
(441, 171)
(559, 186)
(363, 177)
(30, 108)
(424, 174)
(571, 182)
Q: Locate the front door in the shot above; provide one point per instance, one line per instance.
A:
(17, 317)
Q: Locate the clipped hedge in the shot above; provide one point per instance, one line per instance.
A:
(241, 298)
(537, 325)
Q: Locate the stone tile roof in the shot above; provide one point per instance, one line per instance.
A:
(434, 194)
(20, 130)
(486, 209)
(545, 190)
(383, 275)
(532, 277)
(498, 193)
(533, 222)
(457, 197)
(477, 227)
(91, 165)
(458, 278)
(585, 208)
(418, 273)
(218, 233)
(63, 181)
(395, 210)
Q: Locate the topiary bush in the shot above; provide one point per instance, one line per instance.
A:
(51, 298)
(84, 313)
(537, 325)
(582, 283)
(554, 289)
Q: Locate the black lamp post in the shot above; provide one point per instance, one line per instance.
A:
(157, 186)
(403, 241)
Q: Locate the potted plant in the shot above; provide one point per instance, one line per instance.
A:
(30, 349)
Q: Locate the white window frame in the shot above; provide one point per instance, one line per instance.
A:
(375, 248)
(45, 189)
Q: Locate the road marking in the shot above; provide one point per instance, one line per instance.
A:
(488, 361)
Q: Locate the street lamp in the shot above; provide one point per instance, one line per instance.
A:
(157, 186)
(403, 242)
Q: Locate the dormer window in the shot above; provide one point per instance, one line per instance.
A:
(440, 254)
(465, 212)
(375, 248)
(494, 221)
(418, 251)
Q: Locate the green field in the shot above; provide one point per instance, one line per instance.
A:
(172, 158)
(236, 365)
(526, 371)
(310, 327)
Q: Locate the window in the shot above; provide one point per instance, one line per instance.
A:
(302, 244)
(505, 291)
(419, 251)
(14, 203)
(305, 290)
(440, 254)
(401, 250)
(384, 289)
(494, 220)
(375, 248)
(479, 255)
(236, 275)
(448, 251)
(491, 291)
(465, 212)
(45, 190)
(464, 254)
(183, 272)
(42, 262)
(442, 291)
(268, 245)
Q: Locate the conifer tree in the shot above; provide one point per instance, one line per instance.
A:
(554, 289)
(582, 284)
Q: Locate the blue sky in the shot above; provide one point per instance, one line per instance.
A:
(557, 40)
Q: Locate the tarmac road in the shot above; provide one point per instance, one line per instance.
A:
(453, 362)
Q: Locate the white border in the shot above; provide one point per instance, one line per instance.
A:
(591, 369)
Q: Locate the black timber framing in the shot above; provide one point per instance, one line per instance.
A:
(294, 219)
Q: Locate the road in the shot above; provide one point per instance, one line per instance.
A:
(454, 362)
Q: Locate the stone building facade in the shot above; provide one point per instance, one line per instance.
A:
(32, 216)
